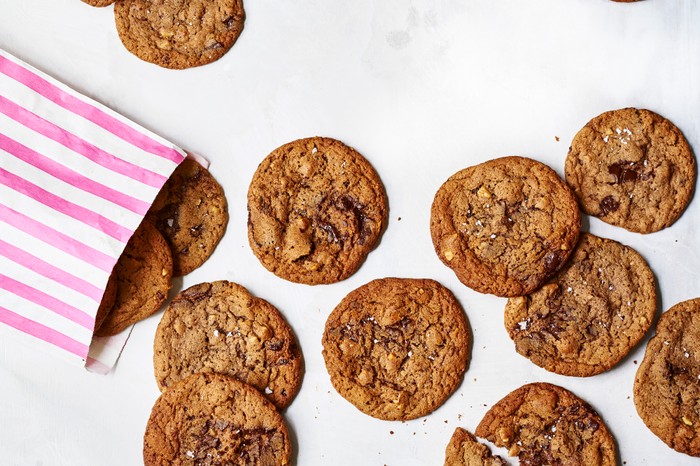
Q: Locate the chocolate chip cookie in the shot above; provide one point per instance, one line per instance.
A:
(179, 33)
(143, 274)
(667, 385)
(211, 419)
(505, 226)
(191, 212)
(543, 424)
(397, 348)
(316, 208)
(99, 3)
(587, 317)
(632, 168)
(220, 327)
(465, 450)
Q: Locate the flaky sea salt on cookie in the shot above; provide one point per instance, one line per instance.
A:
(504, 226)
(397, 348)
(632, 168)
(316, 209)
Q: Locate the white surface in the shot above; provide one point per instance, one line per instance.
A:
(422, 89)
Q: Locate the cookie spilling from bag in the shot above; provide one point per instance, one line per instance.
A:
(667, 385)
(316, 208)
(632, 168)
(191, 212)
(541, 423)
(589, 316)
(220, 327)
(505, 226)
(143, 274)
(397, 348)
(177, 33)
(179, 233)
(215, 419)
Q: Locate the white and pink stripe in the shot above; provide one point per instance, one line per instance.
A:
(76, 180)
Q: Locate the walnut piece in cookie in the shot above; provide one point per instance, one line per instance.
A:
(213, 419)
(316, 208)
(632, 168)
(667, 385)
(397, 348)
(505, 226)
(220, 327)
(589, 315)
(542, 424)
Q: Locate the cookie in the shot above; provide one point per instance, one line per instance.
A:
(220, 327)
(107, 303)
(543, 424)
(667, 385)
(504, 226)
(143, 274)
(179, 33)
(590, 314)
(397, 348)
(316, 208)
(211, 419)
(632, 168)
(191, 212)
(99, 3)
(465, 450)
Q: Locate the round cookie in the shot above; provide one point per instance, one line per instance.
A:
(316, 208)
(397, 348)
(504, 226)
(590, 314)
(99, 3)
(631, 168)
(191, 212)
(220, 327)
(179, 33)
(143, 274)
(214, 419)
(465, 450)
(542, 423)
(667, 385)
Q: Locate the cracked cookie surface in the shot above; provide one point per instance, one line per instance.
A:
(465, 450)
(667, 385)
(542, 423)
(191, 213)
(316, 208)
(220, 327)
(632, 168)
(179, 33)
(589, 315)
(211, 419)
(504, 226)
(143, 273)
(397, 348)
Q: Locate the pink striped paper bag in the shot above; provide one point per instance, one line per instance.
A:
(76, 179)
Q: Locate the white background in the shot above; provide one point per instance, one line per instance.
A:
(422, 89)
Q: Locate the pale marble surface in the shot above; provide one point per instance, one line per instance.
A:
(422, 89)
